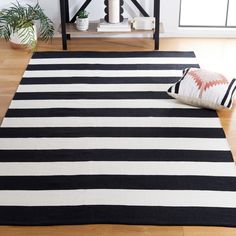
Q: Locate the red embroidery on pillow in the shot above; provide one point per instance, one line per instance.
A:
(207, 82)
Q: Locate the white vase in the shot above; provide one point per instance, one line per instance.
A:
(82, 24)
(114, 11)
(16, 38)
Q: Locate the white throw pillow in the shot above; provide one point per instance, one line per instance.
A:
(204, 88)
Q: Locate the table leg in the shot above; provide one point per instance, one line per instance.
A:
(157, 29)
(63, 24)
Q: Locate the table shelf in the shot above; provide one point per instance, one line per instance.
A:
(69, 29)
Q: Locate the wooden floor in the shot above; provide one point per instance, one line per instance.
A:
(213, 54)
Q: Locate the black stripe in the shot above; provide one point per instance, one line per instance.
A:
(118, 182)
(227, 93)
(99, 80)
(103, 214)
(111, 132)
(114, 155)
(177, 85)
(38, 55)
(231, 98)
(185, 71)
(109, 67)
(110, 112)
(169, 89)
(91, 95)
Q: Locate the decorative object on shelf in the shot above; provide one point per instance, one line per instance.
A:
(114, 11)
(144, 23)
(123, 26)
(17, 25)
(82, 20)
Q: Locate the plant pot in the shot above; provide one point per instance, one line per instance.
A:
(18, 41)
(82, 24)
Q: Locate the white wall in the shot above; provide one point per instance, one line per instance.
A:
(96, 8)
(51, 7)
(169, 16)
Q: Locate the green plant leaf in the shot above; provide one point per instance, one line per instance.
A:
(18, 17)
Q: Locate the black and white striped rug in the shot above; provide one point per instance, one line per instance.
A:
(94, 138)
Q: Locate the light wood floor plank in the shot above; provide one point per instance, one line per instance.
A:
(93, 230)
(209, 231)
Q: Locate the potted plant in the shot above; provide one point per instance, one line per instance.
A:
(17, 25)
(82, 20)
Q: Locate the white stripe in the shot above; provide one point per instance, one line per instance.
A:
(128, 60)
(118, 168)
(92, 87)
(172, 198)
(102, 73)
(114, 143)
(104, 103)
(112, 122)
